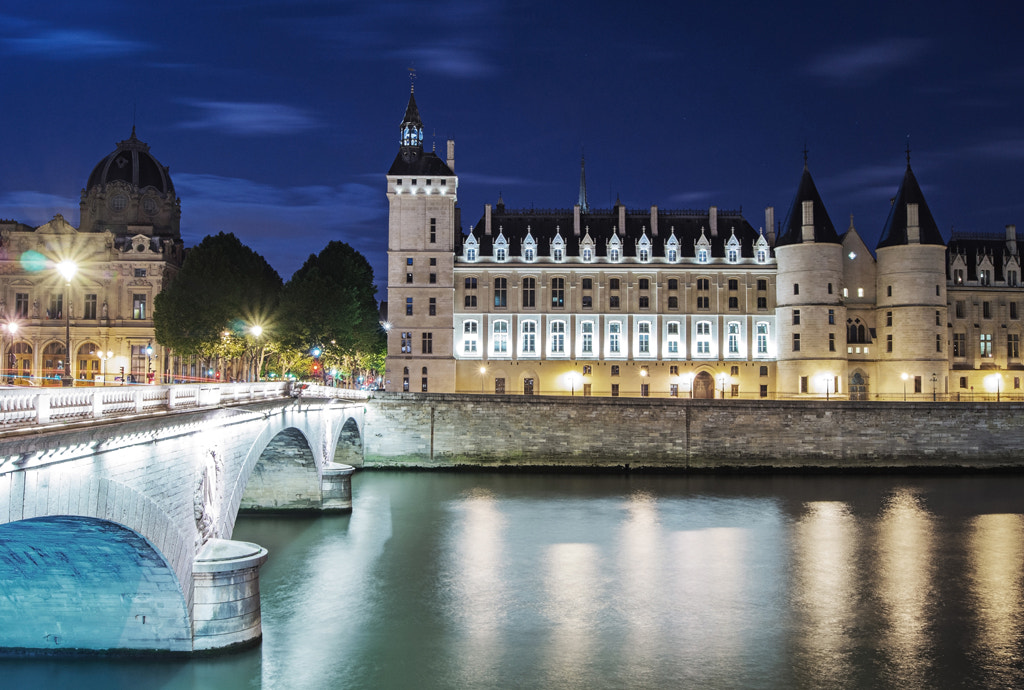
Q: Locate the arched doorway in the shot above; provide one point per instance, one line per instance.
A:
(858, 386)
(19, 363)
(88, 362)
(704, 386)
(53, 364)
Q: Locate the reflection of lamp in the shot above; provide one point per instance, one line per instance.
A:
(904, 376)
(67, 269)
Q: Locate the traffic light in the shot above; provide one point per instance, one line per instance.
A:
(316, 368)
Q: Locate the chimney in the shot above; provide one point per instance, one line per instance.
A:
(487, 220)
(713, 220)
(576, 220)
(769, 224)
(451, 154)
(913, 225)
(1011, 240)
(622, 220)
(807, 225)
(654, 221)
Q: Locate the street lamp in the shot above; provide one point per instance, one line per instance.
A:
(689, 382)
(12, 328)
(828, 380)
(67, 268)
(483, 370)
(104, 357)
(721, 382)
(257, 331)
(904, 376)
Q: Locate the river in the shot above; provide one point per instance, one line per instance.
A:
(479, 580)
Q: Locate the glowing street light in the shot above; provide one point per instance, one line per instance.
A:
(904, 376)
(104, 358)
(689, 382)
(12, 328)
(67, 268)
(483, 370)
(721, 382)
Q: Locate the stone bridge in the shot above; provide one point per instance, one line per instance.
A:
(117, 506)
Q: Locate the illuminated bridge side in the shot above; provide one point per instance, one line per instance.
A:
(116, 535)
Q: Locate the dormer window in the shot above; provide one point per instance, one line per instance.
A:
(645, 254)
(703, 255)
(557, 254)
(500, 254)
(762, 256)
(529, 247)
(558, 247)
(613, 254)
(673, 255)
(529, 254)
(470, 253)
(643, 249)
(588, 254)
(732, 249)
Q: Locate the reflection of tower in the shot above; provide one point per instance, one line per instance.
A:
(810, 313)
(911, 292)
(422, 225)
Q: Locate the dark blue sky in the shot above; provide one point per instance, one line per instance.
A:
(279, 119)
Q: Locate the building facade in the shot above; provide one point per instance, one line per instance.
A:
(690, 303)
(127, 247)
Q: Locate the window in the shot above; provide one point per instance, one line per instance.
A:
(615, 370)
(529, 292)
(963, 382)
(672, 329)
(938, 343)
(90, 307)
(673, 255)
(803, 384)
(558, 337)
(831, 342)
(673, 302)
(644, 337)
(427, 344)
(469, 337)
(985, 276)
(734, 284)
(888, 291)
(734, 338)
(830, 288)
(423, 383)
(470, 301)
(613, 302)
(796, 342)
(21, 305)
(888, 343)
(1011, 278)
(762, 302)
(501, 292)
(645, 254)
(529, 341)
(407, 342)
(959, 344)
(986, 310)
(408, 261)
(796, 317)
(500, 253)
(762, 342)
(831, 317)
(732, 255)
(762, 285)
(613, 283)
(734, 303)
(613, 254)
(860, 292)
(499, 337)
(960, 309)
(528, 254)
(673, 390)
(917, 384)
(703, 255)
(408, 306)
(958, 276)
(587, 330)
(433, 227)
(644, 283)
(588, 302)
(558, 293)
(704, 338)
(588, 283)
(56, 308)
(138, 306)
(938, 317)
(433, 278)
(587, 370)
(888, 318)
(673, 283)
(588, 254)
(615, 390)
(432, 307)
(614, 333)
(986, 345)
(645, 302)
(764, 390)
(433, 261)
(703, 301)
(645, 390)
(557, 253)
(796, 288)
(763, 371)
(471, 283)
(470, 254)
(140, 273)
(1013, 310)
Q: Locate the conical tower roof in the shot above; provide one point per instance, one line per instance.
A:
(792, 227)
(895, 231)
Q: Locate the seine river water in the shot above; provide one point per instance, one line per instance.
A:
(476, 580)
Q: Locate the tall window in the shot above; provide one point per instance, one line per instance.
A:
(21, 305)
(529, 344)
(959, 344)
(703, 299)
(558, 292)
(587, 330)
(644, 337)
(831, 342)
(1013, 346)
(427, 344)
(56, 308)
(558, 337)
(796, 317)
(734, 338)
(138, 306)
(501, 292)
(831, 317)
(986, 345)
(469, 337)
(613, 254)
(408, 306)
(762, 338)
(672, 328)
(470, 253)
(500, 253)
(704, 338)
(796, 342)
(499, 337)
(89, 312)
(673, 255)
(433, 230)
(645, 254)
(529, 254)
(588, 254)
(614, 333)
(432, 306)
(407, 342)
(703, 255)
(529, 292)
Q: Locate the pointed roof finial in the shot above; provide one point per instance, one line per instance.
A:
(412, 79)
(908, 150)
(805, 155)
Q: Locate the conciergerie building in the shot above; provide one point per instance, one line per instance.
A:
(690, 303)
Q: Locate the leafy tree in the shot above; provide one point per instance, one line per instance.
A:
(329, 303)
(224, 288)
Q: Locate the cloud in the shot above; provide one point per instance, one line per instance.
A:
(249, 119)
(72, 44)
(692, 197)
(450, 60)
(36, 208)
(862, 62)
(1001, 149)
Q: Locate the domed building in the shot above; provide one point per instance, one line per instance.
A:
(127, 246)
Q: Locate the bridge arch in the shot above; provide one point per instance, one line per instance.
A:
(348, 449)
(284, 475)
(70, 575)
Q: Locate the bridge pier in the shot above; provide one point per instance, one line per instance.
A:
(336, 487)
(226, 591)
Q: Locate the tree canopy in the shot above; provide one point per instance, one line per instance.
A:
(223, 286)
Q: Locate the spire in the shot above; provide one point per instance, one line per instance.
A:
(583, 185)
(807, 210)
(411, 129)
(901, 217)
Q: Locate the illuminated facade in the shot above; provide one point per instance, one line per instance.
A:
(127, 246)
(694, 303)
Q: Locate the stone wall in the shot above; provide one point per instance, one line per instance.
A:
(409, 430)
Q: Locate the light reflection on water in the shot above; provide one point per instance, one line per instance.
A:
(609, 581)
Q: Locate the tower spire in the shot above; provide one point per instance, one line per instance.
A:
(583, 185)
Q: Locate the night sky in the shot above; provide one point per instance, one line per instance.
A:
(279, 119)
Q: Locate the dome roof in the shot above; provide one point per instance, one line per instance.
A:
(132, 163)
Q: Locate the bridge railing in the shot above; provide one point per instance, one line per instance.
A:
(28, 406)
(310, 390)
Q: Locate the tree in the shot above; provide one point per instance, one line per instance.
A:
(329, 303)
(223, 289)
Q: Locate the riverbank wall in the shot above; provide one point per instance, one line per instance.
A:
(490, 431)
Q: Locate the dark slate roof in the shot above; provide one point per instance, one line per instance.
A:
(544, 224)
(132, 162)
(412, 113)
(895, 232)
(413, 160)
(973, 246)
(824, 231)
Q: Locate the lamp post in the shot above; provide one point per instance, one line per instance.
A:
(689, 381)
(104, 358)
(999, 385)
(904, 376)
(721, 382)
(67, 269)
(257, 331)
(934, 380)
(12, 328)
(828, 380)
(483, 370)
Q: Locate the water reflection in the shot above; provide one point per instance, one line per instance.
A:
(905, 587)
(573, 606)
(825, 544)
(995, 552)
(642, 609)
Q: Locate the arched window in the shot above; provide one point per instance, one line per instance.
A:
(587, 330)
(499, 337)
(614, 334)
(734, 338)
(703, 255)
(528, 345)
(643, 331)
(704, 338)
(672, 329)
(558, 337)
(762, 338)
(469, 337)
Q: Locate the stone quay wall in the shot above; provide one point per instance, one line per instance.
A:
(443, 430)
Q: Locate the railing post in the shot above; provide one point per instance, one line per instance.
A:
(97, 403)
(42, 408)
(170, 397)
(138, 400)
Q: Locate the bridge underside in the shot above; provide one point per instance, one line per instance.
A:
(82, 583)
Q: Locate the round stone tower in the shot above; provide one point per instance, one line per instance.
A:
(810, 314)
(911, 299)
